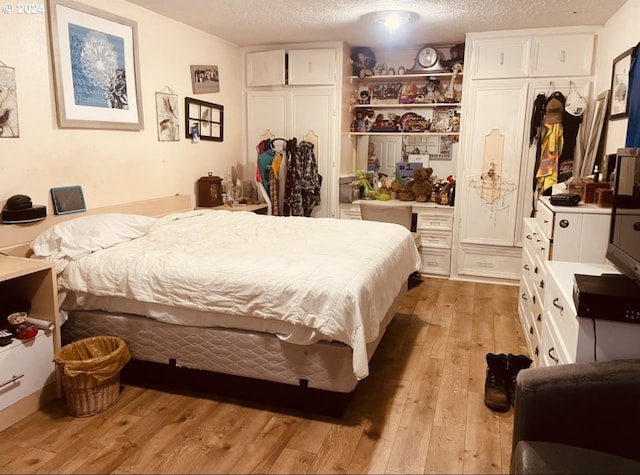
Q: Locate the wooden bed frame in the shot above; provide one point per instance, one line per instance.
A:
(15, 240)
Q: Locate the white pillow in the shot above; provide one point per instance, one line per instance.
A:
(79, 237)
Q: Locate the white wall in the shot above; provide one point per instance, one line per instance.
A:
(116, 166)
(619, 34)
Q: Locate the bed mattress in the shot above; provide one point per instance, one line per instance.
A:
(335, 277)
(324, 365)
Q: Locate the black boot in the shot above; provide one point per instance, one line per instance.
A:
(515, 363)
(495, 385)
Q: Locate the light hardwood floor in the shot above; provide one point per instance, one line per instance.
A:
(420, 411)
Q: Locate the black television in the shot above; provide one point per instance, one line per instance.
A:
(623, 250)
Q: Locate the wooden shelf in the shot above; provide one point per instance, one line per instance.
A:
(415, 105)
(387, 77)
(435, 134)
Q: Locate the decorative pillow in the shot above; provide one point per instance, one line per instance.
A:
(79, 237)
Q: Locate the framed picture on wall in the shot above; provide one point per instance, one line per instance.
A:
(620, 86)
(204, 79)
(95, 63)
(203, 120)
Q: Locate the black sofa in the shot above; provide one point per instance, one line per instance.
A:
(578, 418)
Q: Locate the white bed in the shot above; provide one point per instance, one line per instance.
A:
(301, 301)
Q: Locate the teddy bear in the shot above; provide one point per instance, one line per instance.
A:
(389, 186)
(419, 189)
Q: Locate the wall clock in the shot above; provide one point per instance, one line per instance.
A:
(427, 59)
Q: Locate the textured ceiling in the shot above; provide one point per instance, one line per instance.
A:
(257, 22)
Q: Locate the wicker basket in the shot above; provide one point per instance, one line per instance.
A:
(84, 400)
(89, 371)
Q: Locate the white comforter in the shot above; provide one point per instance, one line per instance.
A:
(336, 276)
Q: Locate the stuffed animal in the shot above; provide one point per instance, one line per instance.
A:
(419, 189)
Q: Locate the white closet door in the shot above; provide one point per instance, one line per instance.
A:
(488, 207)
(312, 109)
(293, 113)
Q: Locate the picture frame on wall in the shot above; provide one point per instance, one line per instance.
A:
(620, 86)
(205, 79)
(203, 120)
(8, 103)
(594, 147)
(96, 68)
(167, 116)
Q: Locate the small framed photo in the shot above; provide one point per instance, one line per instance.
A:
(68, 199)
(204, 79)
(620, 86)
(203, 120)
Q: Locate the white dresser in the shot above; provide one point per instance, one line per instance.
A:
(434, 224)
(557, 233)
(567, 338)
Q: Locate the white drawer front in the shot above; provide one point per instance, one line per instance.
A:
(501, 263)
(529, 231)
(434, 220)
(552, 352)
(544, 218)
(438, 239)
(435, 261)
(34, 360)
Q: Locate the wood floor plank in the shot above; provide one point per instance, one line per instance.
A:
(421, 410)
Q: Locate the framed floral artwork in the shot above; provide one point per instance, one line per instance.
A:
(96, 72)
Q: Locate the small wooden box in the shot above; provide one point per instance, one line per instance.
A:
(604, 197)
(209, 191)
(589, 193)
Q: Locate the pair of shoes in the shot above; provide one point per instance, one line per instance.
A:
(500, 382)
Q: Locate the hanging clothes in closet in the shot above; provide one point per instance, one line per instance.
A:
(557, 132)
(267, 171)
(303, 182)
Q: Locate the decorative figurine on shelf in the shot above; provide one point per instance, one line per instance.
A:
(408, 93)
(365, 97)
(456, 57)
(373, 165)
(363, 60)
(432, 90)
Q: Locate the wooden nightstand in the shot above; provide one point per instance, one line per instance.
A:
(27, 368)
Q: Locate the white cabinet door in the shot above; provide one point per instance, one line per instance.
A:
(487, 202)
(388, 150)
(294, 113)
(265, 68)
(312, 67)
(562, 55)
(502, 57)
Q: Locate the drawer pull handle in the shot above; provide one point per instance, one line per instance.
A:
(524, 297)
(551, 356)
(534, 299)
(536, 351)
(12, 380)
(542, 284)
(539, 317)
(535, 271)
(531, 330)
(556, 305)
(526, 267)
(529, 237)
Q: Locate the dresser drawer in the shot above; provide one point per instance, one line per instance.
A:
(438, 239)
(434, 220)
(435, 261)
(544, 218)
(562, 318)
(552, 352)
(529, 230)
(29, 364)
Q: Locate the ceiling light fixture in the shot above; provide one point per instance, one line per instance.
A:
(393, 19)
